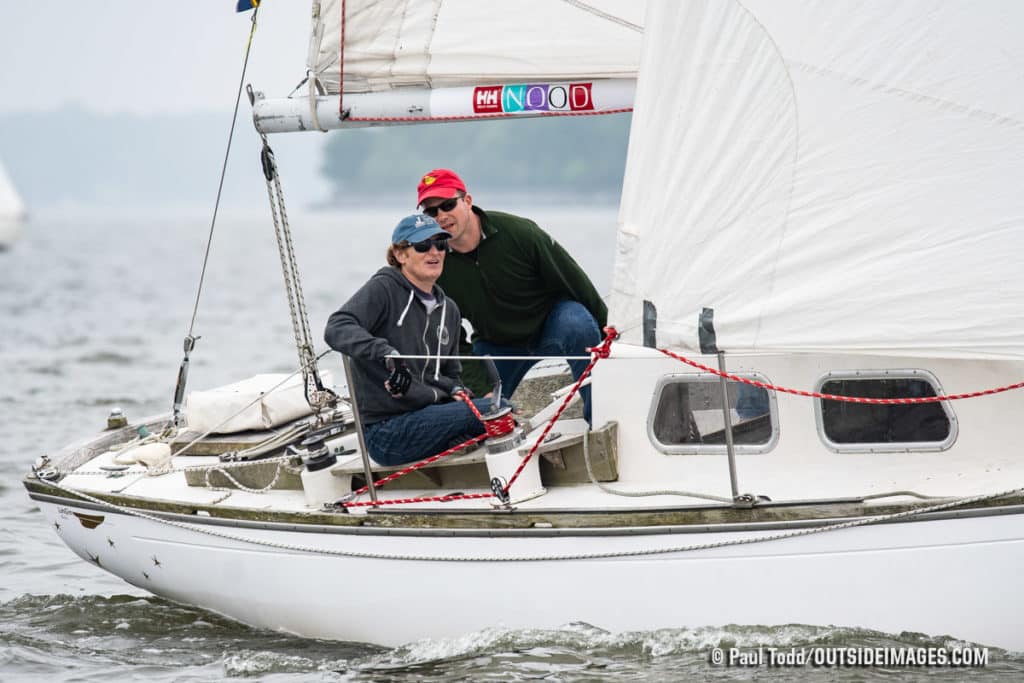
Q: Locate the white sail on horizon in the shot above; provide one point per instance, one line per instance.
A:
(12, 209)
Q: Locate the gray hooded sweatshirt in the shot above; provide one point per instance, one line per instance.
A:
(385, 316)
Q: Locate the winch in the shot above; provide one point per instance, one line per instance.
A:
(319, 485)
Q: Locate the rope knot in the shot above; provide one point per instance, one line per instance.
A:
(604, 349)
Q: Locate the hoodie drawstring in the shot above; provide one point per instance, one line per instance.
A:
(408, 303)
(440, 331)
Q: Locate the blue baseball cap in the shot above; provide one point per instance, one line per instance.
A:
(416, 228)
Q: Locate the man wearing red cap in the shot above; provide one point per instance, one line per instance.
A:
(522, 292)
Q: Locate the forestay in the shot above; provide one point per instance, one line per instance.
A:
(828, 176)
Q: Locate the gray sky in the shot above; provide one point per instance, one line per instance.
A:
(144, 56)
(115, 102)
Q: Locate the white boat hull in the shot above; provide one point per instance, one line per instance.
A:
(951, 576)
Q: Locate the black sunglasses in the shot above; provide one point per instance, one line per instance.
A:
(446, 206)
(423, 247)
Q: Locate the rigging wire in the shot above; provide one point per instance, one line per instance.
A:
(318, 396)
(190, 338)
(224, 167)
(579, 4)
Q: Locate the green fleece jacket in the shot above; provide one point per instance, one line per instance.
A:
(507, 287)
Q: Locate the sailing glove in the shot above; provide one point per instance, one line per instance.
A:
(400, 379)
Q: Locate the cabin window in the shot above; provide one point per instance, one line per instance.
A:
(686, 415)
(878, 428)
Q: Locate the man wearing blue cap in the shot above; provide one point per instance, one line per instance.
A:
(410, 409)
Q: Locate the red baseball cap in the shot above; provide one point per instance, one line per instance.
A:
(441, 182)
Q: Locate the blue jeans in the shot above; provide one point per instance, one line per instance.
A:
(421, 433)
(568, 331)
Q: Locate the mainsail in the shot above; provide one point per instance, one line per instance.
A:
(828, 176)
(444, 43)
(388, 61)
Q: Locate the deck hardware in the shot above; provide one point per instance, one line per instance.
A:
(236, 456)
(347, 498)
(320, 487)
(245, 456)
(114, 471)
(499, 490)
(116, 419)
(336, 506)
(42, 470)
(188, 344)
(749, 500)
(650, 324)
(47, 474)
(318, 437)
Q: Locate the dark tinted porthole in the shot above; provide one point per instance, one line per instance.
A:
(686, 416)
(875, 425)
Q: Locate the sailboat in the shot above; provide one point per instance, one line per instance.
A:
(806, 411)
(12, 210)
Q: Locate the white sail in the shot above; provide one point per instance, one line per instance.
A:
(444, 43)
(429, 60)
(846, 177)
(11, 205)
(12, 209)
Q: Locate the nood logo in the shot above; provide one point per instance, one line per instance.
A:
(511, 99)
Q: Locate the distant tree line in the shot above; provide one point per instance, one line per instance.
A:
(584, 154)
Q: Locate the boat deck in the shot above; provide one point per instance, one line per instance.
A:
(844, 481)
